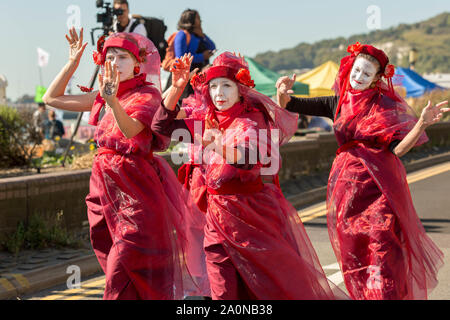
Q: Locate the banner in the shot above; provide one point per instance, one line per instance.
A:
(40, 91)
(43, 57)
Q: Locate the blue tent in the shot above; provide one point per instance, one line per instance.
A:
(414, 84)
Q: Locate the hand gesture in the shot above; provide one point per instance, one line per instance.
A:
(238, 55)
(76, 46)
(109, 83)
(430, 115)
(181, 71)
(210, 137)
(284, 89)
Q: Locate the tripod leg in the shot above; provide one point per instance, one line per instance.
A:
(80, 115)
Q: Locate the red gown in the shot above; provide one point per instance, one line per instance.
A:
(255, 243)
(376, 234)
(192, 173)
(145, 231)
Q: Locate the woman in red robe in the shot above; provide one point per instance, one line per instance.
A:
(256, 246)
(144, 229)
(378, 239)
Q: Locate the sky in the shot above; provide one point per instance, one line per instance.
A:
(246, 26)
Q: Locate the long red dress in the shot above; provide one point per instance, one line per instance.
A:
(376, 234)
(192, 173)
(255, 243)
(145, 230)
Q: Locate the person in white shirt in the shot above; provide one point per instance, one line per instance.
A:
(125, 21)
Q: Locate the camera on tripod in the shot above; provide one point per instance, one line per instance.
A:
(107, 17)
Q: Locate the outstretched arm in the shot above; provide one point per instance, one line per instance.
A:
(430, 115)
(316, 106)
(54, 96)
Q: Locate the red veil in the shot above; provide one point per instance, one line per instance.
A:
(377, 236)
(257, 228)
(145, 230)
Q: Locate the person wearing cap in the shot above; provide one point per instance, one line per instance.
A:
(140, 225)
(256, 246)
(379, 241)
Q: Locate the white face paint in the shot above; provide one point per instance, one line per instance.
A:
(363, 74)
(124, 61)
(224, 93)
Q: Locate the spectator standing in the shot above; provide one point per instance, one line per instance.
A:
(54, 127)
(40, 117)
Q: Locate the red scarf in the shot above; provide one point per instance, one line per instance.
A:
(124, 86)
(226, 117)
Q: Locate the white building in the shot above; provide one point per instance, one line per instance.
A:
(441, 79)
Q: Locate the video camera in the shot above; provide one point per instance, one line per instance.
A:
(107, 17)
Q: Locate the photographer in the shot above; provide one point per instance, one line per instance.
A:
(125, 22)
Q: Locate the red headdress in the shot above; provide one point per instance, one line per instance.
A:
(139, 46)
(118, 40)
(228, 65)
(386, 70)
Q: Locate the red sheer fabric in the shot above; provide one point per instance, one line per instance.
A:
(255, 243)
(376, 234)
(145, 230)
(192, 173)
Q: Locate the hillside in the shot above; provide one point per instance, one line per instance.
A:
(431, 39)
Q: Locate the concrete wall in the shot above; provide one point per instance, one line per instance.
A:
(20, 197)
(44, 194)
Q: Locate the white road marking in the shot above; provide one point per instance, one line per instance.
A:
(336, 278)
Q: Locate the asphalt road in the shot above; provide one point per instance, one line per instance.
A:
(430, 189)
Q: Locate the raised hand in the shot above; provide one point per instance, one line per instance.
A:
(181, 71)
(109, 83)
(432, 114)
(212, 136)
(76, 46)
(284, 90)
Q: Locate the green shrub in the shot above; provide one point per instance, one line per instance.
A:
(41, 231)
(18, 137)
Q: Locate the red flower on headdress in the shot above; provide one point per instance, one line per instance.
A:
(243, 76)
(389, 71)
(100, 43)
(97, 58)
(198, 79)
(97, 55)
(143, 53)
(85, 89)
(355, 49)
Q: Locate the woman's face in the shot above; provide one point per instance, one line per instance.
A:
(363, 74)
(224, 93)
(123, 60)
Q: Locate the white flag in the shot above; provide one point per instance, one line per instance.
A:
(42, 57)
